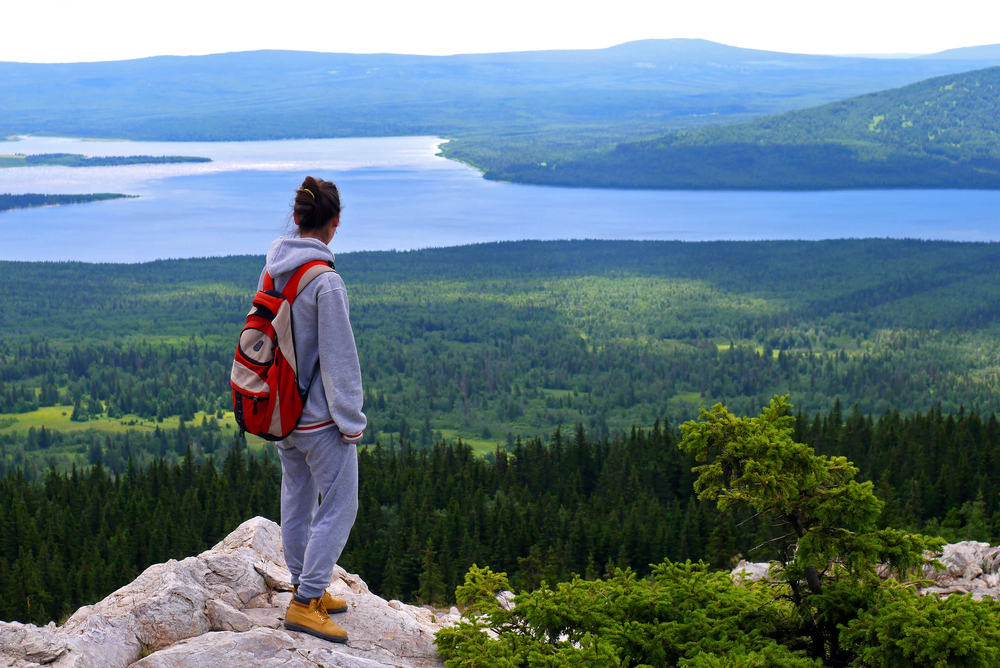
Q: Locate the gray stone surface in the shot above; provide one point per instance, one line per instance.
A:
(225, 617)
(224, 608)
(968, 567)
(750, 571)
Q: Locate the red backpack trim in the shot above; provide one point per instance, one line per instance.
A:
(266, 399)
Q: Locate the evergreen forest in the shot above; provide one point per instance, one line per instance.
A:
(77, 160)
(543, 510)
(938, 133)
(486, 368)
(8, 202)
(496, 341)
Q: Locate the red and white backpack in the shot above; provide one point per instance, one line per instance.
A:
(265, 382)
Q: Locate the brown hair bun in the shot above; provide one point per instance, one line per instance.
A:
(317, 202)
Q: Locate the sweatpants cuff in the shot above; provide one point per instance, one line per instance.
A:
(306, 595)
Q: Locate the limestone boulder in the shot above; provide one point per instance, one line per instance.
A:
(226, 607)
(967, 560)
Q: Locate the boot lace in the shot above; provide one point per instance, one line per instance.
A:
(317, 606)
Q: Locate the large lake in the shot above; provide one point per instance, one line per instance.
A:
(398, 194)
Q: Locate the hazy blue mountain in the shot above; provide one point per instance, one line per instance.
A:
(984, 52)
(630, 90)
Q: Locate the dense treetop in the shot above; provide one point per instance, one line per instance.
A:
(493, 341)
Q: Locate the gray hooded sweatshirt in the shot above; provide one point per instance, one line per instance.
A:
(324, 341)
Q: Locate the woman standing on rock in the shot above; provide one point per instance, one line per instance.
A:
(319, 459)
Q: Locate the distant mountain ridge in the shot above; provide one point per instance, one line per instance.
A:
(983, 52)
(506, 113)
(626, 91)
(939, 133)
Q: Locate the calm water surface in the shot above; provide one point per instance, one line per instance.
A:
(398, 194)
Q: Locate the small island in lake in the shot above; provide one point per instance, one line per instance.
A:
(77, 160)
(8, 202)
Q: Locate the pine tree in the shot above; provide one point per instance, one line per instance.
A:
(432, 589)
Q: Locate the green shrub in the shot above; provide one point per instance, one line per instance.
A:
(683, 615)
(907, 630)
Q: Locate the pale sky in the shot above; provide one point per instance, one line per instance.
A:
(78, 30)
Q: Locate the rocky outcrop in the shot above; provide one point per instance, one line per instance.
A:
(225, 608)
(968, 568)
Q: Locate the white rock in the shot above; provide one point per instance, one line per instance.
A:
(26, 644)
(749, 571)
(259, 648)
(225, 617)
(968, 559)
(267, 617)
(223, 608)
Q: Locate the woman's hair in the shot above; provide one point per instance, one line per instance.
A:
(317, 202)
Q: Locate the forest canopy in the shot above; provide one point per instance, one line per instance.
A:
(76, 160)
(496, 341)
(114, 414)
(938, 133)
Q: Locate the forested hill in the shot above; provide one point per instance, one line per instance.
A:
(939, 133)
(499, 109)
(640, 87)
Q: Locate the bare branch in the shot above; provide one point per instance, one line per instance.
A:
(791, 533)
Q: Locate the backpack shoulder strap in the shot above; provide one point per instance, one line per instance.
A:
(302, 277)
(268, 283)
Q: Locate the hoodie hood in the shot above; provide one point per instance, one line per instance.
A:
(289, 253)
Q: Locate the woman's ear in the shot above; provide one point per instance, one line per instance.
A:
(295, 217)
(336, 220)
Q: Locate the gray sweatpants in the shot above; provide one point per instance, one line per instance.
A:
(312, 533)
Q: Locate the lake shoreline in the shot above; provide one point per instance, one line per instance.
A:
(400, 194)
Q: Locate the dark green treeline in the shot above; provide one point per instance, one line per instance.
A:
(74, 538)
(8, 201)
(539, 512)
(542, 511)
(938, 473)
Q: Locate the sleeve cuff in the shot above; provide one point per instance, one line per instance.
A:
(351, 439)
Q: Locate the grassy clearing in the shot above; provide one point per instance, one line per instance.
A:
(57, 417)
(479, 445)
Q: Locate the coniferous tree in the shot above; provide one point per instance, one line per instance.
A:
(432, 588)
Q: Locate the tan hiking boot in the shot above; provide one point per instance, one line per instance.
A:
(314, 620)
(333, 604)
